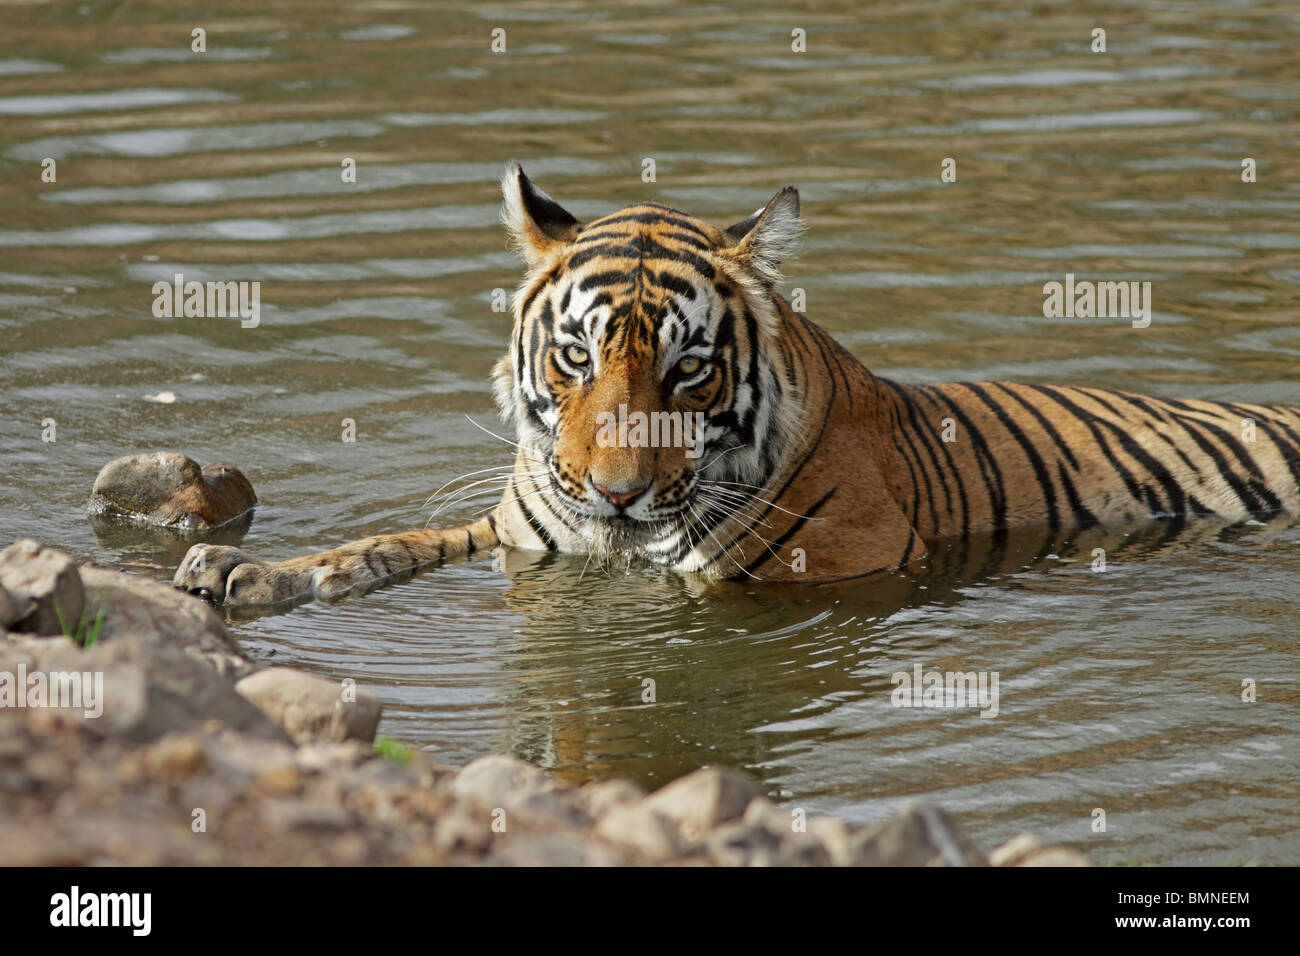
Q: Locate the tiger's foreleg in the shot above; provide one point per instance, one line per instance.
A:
(230, 576)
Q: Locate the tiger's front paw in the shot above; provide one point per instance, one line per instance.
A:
(228, 576)
(206, 568)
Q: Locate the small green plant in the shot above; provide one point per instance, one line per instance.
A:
(86, 633)
(390, 749)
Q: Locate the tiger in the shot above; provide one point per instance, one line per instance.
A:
(785, 459)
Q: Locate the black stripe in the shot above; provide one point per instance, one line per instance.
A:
(1243, 491)
(983, 456)
(803, 463)
(644, 218)
(1139, 492)
(957, 477)
(536, 525)
(1045, 423)
(907, 549)
(1083, 518)
(1035, 460)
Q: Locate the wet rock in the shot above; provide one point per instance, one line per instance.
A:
(919, 835)
(640, 829)
(40, 583)
(700, 801)
(309, 707)
(168, 489)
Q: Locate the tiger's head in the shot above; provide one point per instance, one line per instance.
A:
(645, 375)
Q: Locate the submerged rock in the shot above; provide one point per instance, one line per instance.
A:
(168, 489)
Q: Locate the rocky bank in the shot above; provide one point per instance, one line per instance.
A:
(199, 756)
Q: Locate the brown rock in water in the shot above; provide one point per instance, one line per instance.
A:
(40, 583)
(307, 707)
(166, 488)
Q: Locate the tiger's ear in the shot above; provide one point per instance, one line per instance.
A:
(535, 221)
(765, 239)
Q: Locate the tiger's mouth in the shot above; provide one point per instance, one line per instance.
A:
(622, 529)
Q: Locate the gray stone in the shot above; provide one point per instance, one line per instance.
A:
(1015, 850)
(8, 609)
(802, 849)
(527, 794)
(742, 844)
(458, 830)
(237, 758)
(168, 489)
(1055, 856)
(603, 796)
(498, 779)
(535, 849)
(148, 689)
(284, 814)
(157, 613)
(835, 835)
(700, 801)
(40, 580)
(918, 835)
(308, 707)
(638, 828)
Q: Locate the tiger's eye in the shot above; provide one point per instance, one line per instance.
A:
(689, 365)
(576, 356)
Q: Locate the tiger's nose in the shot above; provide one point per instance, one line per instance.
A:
(620, 499)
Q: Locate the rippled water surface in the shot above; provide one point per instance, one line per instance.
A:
(1119, 691)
